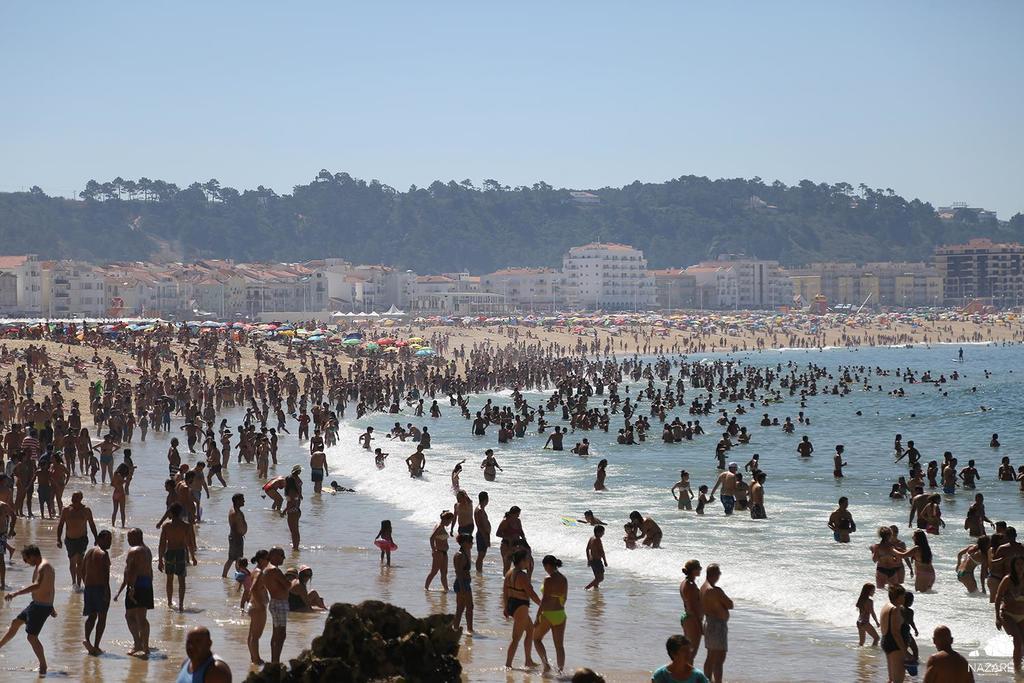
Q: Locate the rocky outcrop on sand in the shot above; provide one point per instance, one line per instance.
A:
(374, 641)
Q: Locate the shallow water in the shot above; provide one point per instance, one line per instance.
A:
(794, 588)
(788, 567)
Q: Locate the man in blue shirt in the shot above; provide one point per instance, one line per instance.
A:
(679, 670)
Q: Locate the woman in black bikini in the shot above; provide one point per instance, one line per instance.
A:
(887, 564)
(516, 594)
(894, 642)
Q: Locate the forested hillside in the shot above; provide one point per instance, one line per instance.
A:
(458, 226)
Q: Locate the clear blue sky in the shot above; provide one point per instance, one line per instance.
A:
(924, 97)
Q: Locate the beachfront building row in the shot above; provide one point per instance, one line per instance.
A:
(984, 270)
(870, 284)
(76, 289)
(595, 276)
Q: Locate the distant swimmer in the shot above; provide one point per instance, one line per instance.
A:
(839, 463)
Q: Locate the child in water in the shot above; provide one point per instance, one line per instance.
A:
(630, 537)
(703, 499)
(242, 574)
(913, 656)
(866, 614)
(385, 542)
(94, 467)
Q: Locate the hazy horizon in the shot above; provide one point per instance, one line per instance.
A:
(920, 97)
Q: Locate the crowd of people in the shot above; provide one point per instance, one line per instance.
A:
(179, 376)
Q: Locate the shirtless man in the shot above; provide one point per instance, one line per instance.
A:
(75, 518)
(596, 558)
(647, 529)
(918, 503)
(317, 469)
(838, 462)
(177, 544)
(483, 529)
(237, 529)
(96, 601)
(841, 522)
(138, 579)
(976, 519)
(757, 497)
(716, 605)
(183, 496)
(555, 439)
(277, 585)
(692, 619)
(946, 665)
(949, 477)
(1003, 557)
(417, 462)
(727, 480)
(463, 514)
(40, 609)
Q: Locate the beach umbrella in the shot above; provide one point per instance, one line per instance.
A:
(351, 341)
(425, 352)
(415, 340)
(386, 341)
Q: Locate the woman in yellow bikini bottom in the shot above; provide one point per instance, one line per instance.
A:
(551, 615)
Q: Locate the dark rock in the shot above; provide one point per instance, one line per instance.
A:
(374, 641)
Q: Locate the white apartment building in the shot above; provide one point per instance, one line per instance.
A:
(29, 273)
(608, 276)
(527, 289)
(72, 289)
(352, 288)
(740, 282)
(458, 294)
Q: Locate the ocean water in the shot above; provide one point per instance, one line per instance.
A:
(784, 570)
